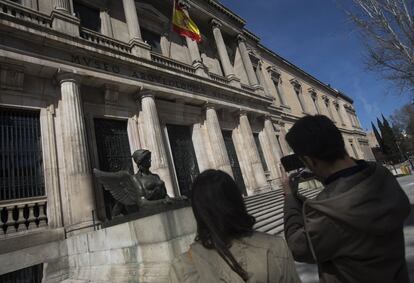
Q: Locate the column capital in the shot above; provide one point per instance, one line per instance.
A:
(241, 38)
(67, 76)
(215, 23)
(312, 91)
(208, 105)
(296, 84)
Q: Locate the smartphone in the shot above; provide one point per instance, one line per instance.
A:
(292, 162)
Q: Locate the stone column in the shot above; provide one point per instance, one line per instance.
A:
(251, 75)
(106, 26)
(199, 142)
(215, 135)
(274, 148)
(131, 17)
(223, 55)
(133, 137)
(50, 167)
(62, 18)
(31, 4)
(155, 142)
(251, 150)
(79, 188)
(139, 48)
(62, 5)
(282, 139)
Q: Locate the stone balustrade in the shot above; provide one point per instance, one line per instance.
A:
(218, 78)
(248, 88)
(22, 215)
(11, 9)
(102, 40)
(172, 64)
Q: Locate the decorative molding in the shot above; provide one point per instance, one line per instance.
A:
(296, 84)
(111, 94)
(11, 77)
(312, 92)
(215, 23)
(241, 38)
(215, 4)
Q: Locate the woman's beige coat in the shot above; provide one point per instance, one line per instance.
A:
(266, 258)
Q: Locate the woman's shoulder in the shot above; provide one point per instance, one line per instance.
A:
(265, 241)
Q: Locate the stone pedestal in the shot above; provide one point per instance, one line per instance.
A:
(62, 18)
(221, 158)
(78, 193)
(154, 141)
(223, 55)
(251, 151)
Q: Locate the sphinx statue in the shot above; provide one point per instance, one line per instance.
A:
(133, 192)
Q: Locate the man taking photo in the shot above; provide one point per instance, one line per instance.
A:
(353, 229)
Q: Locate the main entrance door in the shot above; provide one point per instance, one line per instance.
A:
(113, 151)
(234, 161)
(185, 161)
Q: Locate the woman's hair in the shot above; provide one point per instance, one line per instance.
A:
(220, 214)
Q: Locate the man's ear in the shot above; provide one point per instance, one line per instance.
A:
(309, 162)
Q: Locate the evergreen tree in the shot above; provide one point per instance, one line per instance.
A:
(378, 136)
(389, 142)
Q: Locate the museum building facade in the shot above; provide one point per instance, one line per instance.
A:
(84, 83)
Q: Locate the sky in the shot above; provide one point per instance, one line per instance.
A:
(317, 36)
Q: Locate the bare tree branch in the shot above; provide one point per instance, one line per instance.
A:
(388, 29)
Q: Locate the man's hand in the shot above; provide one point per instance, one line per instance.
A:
(290, 184)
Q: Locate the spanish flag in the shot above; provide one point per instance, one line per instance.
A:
(183, 25)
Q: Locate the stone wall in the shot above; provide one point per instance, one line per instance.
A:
(135, 251)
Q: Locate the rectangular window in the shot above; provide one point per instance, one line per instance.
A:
(300, 98)
(21, 163)
(354, 150)
(339, 113)
(153, 39)
(89, 17)
(315, 103)
(260, 150)
(279, 92)
(32, 274)
(280, 146)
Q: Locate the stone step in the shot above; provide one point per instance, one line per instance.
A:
(267, 208)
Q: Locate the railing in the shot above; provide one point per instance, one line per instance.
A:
(170, 63)
(219, 78)
(248, 88)
(22, 13)
(103, 40)
(22, 215)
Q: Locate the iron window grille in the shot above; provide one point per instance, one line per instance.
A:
(21, 162)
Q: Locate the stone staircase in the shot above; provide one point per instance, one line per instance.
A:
(267, 208)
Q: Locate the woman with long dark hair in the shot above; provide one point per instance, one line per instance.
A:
(226, 248)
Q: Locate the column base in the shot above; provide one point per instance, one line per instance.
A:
(201, 69)
(259, 90)
(234, 81)
(140, 48)
(65, 23)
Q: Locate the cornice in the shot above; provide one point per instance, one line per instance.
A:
(220, 7)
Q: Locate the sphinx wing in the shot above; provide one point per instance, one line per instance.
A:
(121, 185)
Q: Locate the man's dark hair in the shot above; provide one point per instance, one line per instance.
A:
(317, 137)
